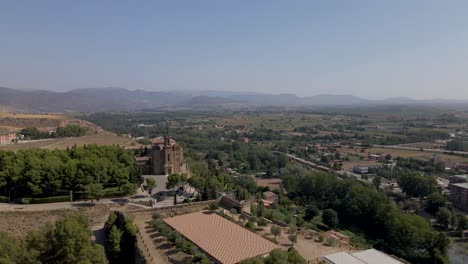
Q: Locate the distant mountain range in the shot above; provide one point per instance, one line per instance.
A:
(119, 99)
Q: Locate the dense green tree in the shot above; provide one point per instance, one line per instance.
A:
(71, 131)
(275, 230)
(11, 251)
(295, 257)
(292, 238)
(67, 241)
(443, 217)
(462, 224)
(150, 185)
(330, 217)
(39, 173)
(434, 202)
(417, 185)
(406, 235)
(376, 181)
(129, 189)
(121, 236)
(176, 180)
(311, 211)
(292, 229)
(94, 191)
(115, 236)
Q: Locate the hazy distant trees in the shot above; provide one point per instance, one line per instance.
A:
(417, 185)
(457, 145)
(66, 131)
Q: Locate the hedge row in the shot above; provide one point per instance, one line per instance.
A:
(53, 199)
(4, 199)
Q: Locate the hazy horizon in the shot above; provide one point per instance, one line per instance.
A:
(369, 49)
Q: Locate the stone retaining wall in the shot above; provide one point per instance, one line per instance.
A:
(179, 209)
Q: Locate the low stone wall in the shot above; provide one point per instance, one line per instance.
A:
(179, 209)
(279, 223)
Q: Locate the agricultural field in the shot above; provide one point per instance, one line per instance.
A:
(14, 122)
(273, 184)
(103, 138)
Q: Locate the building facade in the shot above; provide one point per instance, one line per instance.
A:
(166, 157)
(459, 195)
(7, 138)
(458, 178)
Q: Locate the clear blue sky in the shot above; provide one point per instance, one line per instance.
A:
(372, 49)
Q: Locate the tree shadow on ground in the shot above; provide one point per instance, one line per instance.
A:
(171, 252)
(154, 235)
(83, 205)
(100, 236)
(159, 240)
(164, 246)
(120, 201)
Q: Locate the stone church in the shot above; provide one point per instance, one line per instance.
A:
(166, 157)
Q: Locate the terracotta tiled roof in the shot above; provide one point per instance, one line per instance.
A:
(222, 239)
(160, 141)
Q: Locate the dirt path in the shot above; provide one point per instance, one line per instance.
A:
(66, 205)
(145, 243)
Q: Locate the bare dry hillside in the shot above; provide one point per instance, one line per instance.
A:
(14, 122)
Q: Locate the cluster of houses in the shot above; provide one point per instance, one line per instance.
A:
(7, 138)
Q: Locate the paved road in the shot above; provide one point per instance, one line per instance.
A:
(65, 205)
(419, 149)
(141, 195)
(323, 168)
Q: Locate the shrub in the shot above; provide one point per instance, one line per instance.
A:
(4, 199)
(310, 226)
(262, 222)
(194, 251)
(25, 200)
(330, 242)
(156, 215)
(182, 244)
(253, 219)
(292, 229)
(113, 192)
(320, 238)
(157, 224)
(330, 217)
(233, 211)
(213, 206)
(250, 225)
(243, 217)
(172, 236)
(53, 199)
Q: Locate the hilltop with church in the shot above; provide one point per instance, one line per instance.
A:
(163, 157)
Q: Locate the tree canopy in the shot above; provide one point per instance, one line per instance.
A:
(39, 173)
(67, 241)
(409, 236)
